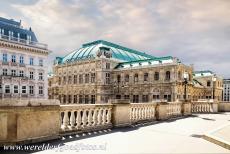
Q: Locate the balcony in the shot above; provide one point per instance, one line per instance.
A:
(23, 42)
(146, 127)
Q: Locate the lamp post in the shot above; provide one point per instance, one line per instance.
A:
(185, 85)
(213, 87)
(117, 84)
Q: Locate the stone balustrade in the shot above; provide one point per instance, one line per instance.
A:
(142, 111)
(29, 121)
(204, 107)
(85, 117)
(173, 109)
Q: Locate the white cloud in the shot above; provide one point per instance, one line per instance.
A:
(196, 31)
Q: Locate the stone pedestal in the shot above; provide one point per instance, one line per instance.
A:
(161, 111)
(121, 114)
(29, 121)
(186, 108)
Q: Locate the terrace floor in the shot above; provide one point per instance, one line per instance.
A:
(183, 135)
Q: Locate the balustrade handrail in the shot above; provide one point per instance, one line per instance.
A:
(23, 41)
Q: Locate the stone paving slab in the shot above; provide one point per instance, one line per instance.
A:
(220, 136)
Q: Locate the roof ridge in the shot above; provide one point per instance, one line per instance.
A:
(119, 47)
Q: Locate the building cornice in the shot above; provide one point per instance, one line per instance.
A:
(10, 45)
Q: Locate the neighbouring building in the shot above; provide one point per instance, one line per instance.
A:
(23, 62)
(100, 71)
(226, 90)
(207, 85)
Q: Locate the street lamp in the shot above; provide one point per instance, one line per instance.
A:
(185, 85)
(117, 84)
(213, 87)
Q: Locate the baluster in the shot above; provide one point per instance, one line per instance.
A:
(99, 117)
(139, 113)
(147, 112)
(132, 114)
(72, 120)
(136, 113)
(66, 120)
(84, 119)
(104, 116)
(143, 113)
(78, 119)
(95, 117)
(109, 116)
(90, 118)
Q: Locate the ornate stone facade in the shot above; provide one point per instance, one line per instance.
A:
(23, 62)
(99, 79)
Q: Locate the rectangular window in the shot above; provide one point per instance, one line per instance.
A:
(40, 62)
(64, 80)
(13, 72)
(86, 99)
(75, 79)
(80, 78)
(145, 98)
(86, 78)
(15, 89)
(93, 77)
(80, 99)
(4, 72)
(70, 79)
(7, 89)
(4, 57)
(93, 99)
(31, 61)
(40, 90)
(31, 90)
(135, 98)
(59, 80)
(107, 78)
(146, 75)
(23, 89)
(21, 60)
(31, 75)
(75, 99)
(156, 97)
(40, 76)
(107, 65)
(126, 96)
(13, 59)
(21, 73)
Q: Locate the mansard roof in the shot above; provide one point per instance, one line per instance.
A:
(89, 50)
(15, 27)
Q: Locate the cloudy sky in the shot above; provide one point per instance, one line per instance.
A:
(195, 31)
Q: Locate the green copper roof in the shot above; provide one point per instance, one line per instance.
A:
(89, 50)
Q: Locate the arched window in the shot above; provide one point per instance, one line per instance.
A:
(167, 75)
(136, 78)
(179, 75)
(118, 78)
(126, 78)
(208, 83)
(146, 75)
(156, 76)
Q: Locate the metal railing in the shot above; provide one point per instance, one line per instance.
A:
(23, 42)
